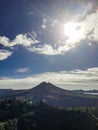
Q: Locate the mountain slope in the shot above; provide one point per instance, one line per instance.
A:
(53, 95)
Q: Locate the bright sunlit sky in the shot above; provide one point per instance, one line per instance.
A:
(49, 40)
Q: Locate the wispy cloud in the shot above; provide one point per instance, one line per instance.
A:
(22, 70)
(30, 13)
(86, 8)
(54, 22)
(46, 24)
(4, 54)
(76, 79)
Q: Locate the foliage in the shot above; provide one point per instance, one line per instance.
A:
(21, 115)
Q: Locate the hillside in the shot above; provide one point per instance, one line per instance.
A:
(21, 115)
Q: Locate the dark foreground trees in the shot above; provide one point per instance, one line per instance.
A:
(21, 115)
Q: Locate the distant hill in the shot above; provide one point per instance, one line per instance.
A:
(4, 91)
(86, 91)
(52, 95)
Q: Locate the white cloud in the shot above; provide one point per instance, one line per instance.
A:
(62, 44)
(86, 9)
(88, 31)
(25, 40)
(20, 39)
(88, 22)
(48, 49)
(4, 41)
(47, 24)
(91, 23)
(22, 70)
(44, 23)
(76, 79)
(43, 26)
(4, 54)
(45, 49)
(30, 13)
(54, 22)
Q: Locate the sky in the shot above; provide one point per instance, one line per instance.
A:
(49, 40)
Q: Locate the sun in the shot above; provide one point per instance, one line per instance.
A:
(73, 31)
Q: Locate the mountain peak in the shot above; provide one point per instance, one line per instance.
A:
(49, 87)
(45, 85)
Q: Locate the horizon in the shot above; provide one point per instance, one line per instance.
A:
(58, 86)
(49, 40)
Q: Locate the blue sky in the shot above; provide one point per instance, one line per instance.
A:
(49, 40)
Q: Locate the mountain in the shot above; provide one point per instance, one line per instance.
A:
(53, 95)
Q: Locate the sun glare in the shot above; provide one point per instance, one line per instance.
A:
(73, 31)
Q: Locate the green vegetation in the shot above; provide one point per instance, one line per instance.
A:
(21, 115)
